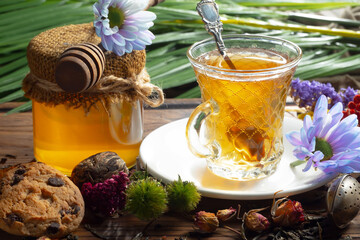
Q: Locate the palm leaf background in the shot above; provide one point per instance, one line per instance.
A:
(327, 51)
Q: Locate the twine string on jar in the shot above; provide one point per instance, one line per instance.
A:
(108, 89)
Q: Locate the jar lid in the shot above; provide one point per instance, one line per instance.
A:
(45, 49)
(124, 77)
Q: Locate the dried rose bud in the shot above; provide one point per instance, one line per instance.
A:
(287, 213)
(254, 221)
(225, 214)
(206, 221)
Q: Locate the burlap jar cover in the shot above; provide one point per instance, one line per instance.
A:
(124, 78)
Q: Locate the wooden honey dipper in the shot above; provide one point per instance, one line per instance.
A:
(80, 67)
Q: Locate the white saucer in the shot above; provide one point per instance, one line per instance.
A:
(165, 154)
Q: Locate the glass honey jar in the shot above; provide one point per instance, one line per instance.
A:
(72, 120)
(63, 137)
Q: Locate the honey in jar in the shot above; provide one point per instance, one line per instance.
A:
(63, 137)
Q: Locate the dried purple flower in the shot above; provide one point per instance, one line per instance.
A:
(108, 197)
(347, 95)
(306, 93)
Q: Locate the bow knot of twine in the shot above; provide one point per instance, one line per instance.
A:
(135, 86)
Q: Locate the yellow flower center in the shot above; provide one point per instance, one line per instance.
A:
(116, 17)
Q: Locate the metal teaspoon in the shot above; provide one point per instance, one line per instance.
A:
(209, 13)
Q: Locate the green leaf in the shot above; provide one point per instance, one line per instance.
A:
(57, 21)
(6, 58)
(13, 65)
(10, 2)
(12, 96)
(18, 46)
(160, 51)
(337, 67)
(11, 86)
(170, 68)
(20, 5)
(176, 36)
(175, 79)
(24, 107)
(14, 76)
(192, 93)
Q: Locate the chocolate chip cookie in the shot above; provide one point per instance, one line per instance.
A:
(37, 200)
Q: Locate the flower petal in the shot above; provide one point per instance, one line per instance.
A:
(355, 144)
(345, 140)
(301, 153)
(346, 166)
(143, 38)
(96, 9)
(128, 47)
(143, 16)
(119, 50)
(137, 45)
(136, 6)
(127, 35)
(118, 40)
(304, 138)
(313, 160)
(345, 125)
(294, 138)
(321, 108)
(130, 28)
(107, 43)
(307, 122)
(346, 155)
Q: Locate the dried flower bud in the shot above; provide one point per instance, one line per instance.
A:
(225, 214)
(206, 221)
(254, 221)
(287, 213)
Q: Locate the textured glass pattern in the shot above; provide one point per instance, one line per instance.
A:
(246, 126)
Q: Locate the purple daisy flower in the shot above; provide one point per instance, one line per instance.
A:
(123, 25)
(327, 142)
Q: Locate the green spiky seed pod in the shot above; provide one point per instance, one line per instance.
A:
(183, 196)
(146, 199)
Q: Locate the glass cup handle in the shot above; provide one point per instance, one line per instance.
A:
(199, 137)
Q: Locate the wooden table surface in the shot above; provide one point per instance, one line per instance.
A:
(16, 140)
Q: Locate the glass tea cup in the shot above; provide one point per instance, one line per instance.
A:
(238, 127)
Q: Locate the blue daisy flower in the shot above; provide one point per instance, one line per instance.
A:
(327, 142)
(123, 25)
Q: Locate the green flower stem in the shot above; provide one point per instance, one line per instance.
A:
(297, 163)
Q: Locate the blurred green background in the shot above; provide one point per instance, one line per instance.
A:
(327, 31)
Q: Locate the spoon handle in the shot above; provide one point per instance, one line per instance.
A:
(209, 13)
